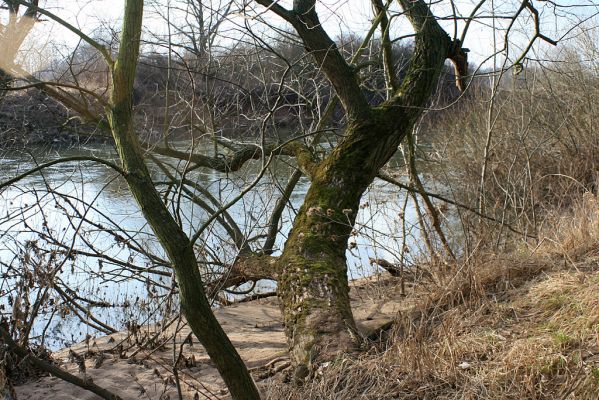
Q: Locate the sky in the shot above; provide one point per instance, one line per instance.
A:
(339, 17)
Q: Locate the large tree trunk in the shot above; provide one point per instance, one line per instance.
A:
(313, 286)
(12, 36)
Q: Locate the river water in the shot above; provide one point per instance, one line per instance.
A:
(85, 207)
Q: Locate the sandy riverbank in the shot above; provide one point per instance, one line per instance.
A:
(134, 366)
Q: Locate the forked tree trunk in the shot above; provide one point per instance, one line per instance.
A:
(313, 286)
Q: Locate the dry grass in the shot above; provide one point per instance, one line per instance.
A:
(574, 234)
(518, 327)
(538, 340)
(543, 147)
(522, 321)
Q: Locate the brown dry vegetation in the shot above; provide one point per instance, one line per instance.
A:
(518, 316)
(515, 317)
(543, 144)
(517, 326)
(524, 326)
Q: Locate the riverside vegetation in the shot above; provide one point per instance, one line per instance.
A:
(518, 316)
(497, 297)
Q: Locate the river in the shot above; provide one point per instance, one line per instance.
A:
(85, 207)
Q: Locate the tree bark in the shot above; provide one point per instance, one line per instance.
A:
(313, 285)
(177, 245)
(12, 36)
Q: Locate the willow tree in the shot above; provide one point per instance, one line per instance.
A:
(12, 35)
(312, 270)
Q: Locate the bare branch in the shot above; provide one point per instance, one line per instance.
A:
(60, 161)
(86, 384)
(33, 8)
(304, 20)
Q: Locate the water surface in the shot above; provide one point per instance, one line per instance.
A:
(85, 207)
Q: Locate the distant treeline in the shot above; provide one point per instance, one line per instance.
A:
(240, 92)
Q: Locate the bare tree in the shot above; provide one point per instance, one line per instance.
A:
(12, 34)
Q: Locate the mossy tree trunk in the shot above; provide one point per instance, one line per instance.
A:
(312, 271)
(177, 245)
(313, 285)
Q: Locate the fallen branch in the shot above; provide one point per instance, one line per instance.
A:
(251, 267)
(226, 163)
(26, 355)
(226, 302)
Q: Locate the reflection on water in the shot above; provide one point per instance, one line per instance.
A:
(85, 210)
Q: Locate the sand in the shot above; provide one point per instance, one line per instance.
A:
(119, 364)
